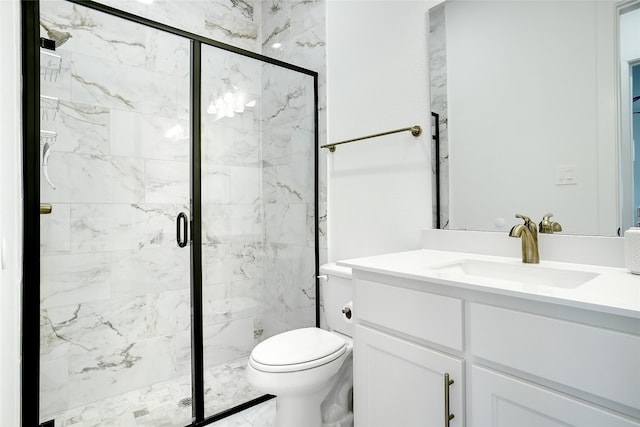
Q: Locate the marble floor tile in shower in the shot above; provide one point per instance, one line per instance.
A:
(168, 404)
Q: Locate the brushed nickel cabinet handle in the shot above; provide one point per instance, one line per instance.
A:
(447, 416)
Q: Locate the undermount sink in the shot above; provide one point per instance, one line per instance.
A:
(526, 274)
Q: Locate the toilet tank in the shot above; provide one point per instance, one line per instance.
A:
(337, 292)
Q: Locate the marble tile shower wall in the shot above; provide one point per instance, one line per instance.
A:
(232, 218)
(295, 31)
(288, 191)
(115, 288)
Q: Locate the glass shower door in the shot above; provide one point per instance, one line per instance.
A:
(258, 214)
(115, 285)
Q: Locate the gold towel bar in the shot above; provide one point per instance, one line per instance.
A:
(415, 131)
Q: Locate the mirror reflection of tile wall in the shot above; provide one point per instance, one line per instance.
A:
(438, 89)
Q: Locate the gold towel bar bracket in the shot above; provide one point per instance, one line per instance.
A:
(415, 131)
(45, 208)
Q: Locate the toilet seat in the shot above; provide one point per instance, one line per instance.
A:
(297, 350)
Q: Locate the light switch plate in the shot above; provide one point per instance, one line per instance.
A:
(566, 175)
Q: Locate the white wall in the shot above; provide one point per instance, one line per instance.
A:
(10, 213)
(379, 190)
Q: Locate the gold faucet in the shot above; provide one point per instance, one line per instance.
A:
(549, 227)
(529, 234)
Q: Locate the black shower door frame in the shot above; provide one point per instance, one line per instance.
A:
(30, 371)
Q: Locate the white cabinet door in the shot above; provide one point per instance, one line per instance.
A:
(401, 384)
(499, 400)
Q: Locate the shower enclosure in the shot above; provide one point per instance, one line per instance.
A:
(177, 183)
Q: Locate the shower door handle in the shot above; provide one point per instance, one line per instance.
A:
(181, 229)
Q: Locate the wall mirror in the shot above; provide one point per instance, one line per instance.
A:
(535, 104)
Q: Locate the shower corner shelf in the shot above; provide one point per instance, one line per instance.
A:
(50, 65)
(49, 107)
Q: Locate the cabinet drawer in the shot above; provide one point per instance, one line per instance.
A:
(430, 317)
(599, 361)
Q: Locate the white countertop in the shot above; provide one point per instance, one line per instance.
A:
(613, 290)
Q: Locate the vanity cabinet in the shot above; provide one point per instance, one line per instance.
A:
(514, 361)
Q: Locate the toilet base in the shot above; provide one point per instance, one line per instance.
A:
(347, 421)
(294, 411)
(337, 407)
(330, 406)
(306, 411)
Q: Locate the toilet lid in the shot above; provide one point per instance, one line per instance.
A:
(297, 349)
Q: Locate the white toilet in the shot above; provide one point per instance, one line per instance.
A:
(310, 370)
